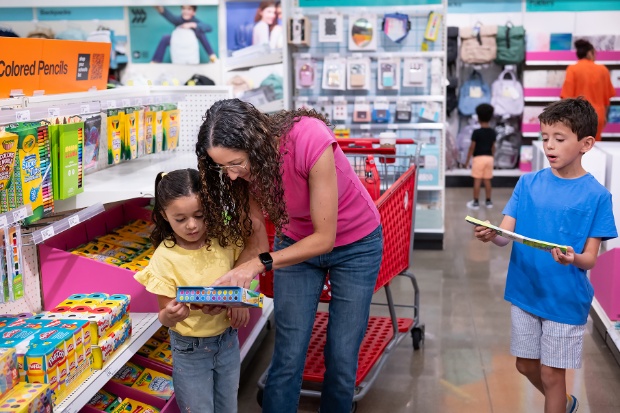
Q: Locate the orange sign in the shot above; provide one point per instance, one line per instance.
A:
(53, 66)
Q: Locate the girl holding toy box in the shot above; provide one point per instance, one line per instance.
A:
(205, 346)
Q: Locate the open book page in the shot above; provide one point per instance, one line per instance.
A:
(543, 245)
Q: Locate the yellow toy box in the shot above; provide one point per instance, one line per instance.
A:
(27, 398)
(133, 406)
(155, 383)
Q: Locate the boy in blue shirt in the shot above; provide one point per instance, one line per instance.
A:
(549, 291)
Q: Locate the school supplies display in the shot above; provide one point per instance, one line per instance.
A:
(128, 374)
(92, 133)
(170, 132)
(543, 245)
(67, 143)
(28, 398)
(102, 400)
(154, 383)
(133, 406)
(225, 296)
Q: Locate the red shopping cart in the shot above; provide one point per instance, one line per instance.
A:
(394, 177)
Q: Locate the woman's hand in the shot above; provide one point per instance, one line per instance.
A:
(239, 316)
(173, 313)
(484, 234)
(242, 275)
(562, 258)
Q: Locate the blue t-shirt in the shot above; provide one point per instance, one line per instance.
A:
(565, 212)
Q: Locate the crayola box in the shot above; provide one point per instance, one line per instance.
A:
(153, 119)
(162, 334)
(133, 406)
(163, 354)
(226, 296)
(28, 398)
(130, 145)
(116, 336)
(116, 133)
(128, 374)
(171, 122)
(155, 383)
(8, 152)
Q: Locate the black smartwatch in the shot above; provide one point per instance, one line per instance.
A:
(266, 260)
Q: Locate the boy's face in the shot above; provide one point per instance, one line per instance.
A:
(187, 12)
(563, 149)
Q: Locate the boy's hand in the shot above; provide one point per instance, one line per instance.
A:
(174, 312)
(239, 316)
(562, 258)
(484, 234)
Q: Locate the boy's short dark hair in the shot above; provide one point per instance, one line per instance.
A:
(484, 112)
(582, 47)
(576, 114)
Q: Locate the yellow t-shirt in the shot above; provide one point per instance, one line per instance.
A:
(176, 266)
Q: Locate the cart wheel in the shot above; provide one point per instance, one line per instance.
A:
(259, 397)
(353, 407)
(417, 335)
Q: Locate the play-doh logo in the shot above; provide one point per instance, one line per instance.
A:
(10, 334)
(34, 366)
(47, 334)
(56, 356)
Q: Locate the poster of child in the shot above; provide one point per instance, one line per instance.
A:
(180, 35)
(254, 23)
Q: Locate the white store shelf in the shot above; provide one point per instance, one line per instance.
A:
(143, 326)
(430, 188)
(393, 126)
(606, 328)
(253, 60)
(258, 327)
(127, 180)
(496, 172)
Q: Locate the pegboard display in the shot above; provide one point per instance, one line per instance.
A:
(193, 109)
(31, 302)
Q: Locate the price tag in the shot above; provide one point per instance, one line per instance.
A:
(111, 104)
(126, 102)
(22, 115)
(47, 233)
(109, 373)
(19, 214)
(73, 220)
(53, 111)
(3, 221)
(84, 109)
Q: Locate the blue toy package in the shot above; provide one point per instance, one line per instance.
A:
(224, 296)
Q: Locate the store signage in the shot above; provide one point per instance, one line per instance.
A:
(484, 6)
(358, 3)
(80, 13)
(571, 5)
(52, 66)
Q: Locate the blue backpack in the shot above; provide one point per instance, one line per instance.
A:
(473, 93)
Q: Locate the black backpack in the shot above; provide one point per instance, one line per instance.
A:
(200, 80)
(452, 101)
(453, 45)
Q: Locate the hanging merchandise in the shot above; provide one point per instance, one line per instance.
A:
(415, 72)
(334, 72)
(69, 162)
(432, 26)
(453, 45)
(154, 127)
(92, 133)
(116, 133)
(341, 112)
(361, 111)
(45, 156)
(362, 32)
(478, 44)
(507, 95)
(274, 81)
(358, 69)
(430, 111)
(452, 101)
(13, 253)
(130, 141)
(396, 26)
(381, 111)
(141, 130)
(389, 72)
(403, 111)
(299, 30)
(8, 154)
(305, 69)
(324, 107)
(330, 28)
(510, 44)
(171, 126)
(472, 93)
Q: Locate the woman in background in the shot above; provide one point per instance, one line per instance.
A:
(590, 80)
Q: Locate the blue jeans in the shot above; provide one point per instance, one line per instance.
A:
(205, 372)
(353, 273)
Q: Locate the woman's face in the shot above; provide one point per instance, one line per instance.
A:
(268, 15)
(232, 162)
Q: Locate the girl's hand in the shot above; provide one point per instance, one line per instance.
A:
(208, 309)
(562, 258)
(239, 316)
(484, 234)
(173, 313)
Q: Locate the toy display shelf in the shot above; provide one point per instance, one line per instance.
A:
(429, 221)
(143, 325)
(548, 94)
(532, 130)
(606, 328)
(245, 62)
(568, 57)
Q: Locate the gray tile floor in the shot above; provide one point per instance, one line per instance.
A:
(465, 365)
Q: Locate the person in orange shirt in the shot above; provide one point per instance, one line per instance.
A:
(590, 80)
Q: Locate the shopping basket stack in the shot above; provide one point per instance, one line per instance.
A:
(395, 178)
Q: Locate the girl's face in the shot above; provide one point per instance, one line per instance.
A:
(186, 218)
(268, 15)
(231, 162)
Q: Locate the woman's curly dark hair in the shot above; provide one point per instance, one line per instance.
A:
(237, 125)
(168, 187)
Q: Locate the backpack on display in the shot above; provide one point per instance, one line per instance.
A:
(507, 95)
(473, 93)
(275, 81)
(184, 47)
(452, 101)
(463, 139)
(453, 45)
(478, 44)
(510, 44)
(507, 146)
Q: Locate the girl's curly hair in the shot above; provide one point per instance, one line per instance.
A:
(237, 125)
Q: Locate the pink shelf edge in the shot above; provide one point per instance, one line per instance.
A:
(549, 91)
(534, 127)
(555, 55)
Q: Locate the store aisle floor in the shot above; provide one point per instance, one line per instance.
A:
(465, 365)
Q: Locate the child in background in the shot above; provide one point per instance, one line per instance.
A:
(482, 149)
(549, 291)
(205, 346)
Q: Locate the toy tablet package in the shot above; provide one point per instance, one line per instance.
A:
(226, 296)
(134, 406)
(155, 383)
(128, 374)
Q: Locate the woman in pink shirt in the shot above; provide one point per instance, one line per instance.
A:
(290, 166)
